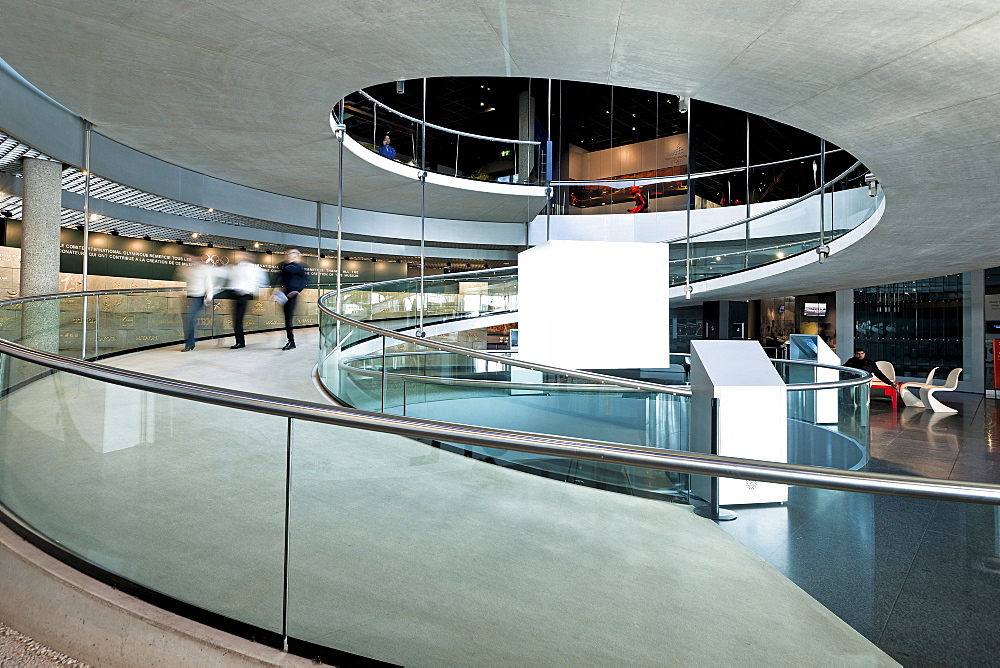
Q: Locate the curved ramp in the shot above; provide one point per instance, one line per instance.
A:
(418, 556)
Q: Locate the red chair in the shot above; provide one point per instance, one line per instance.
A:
(891, 391)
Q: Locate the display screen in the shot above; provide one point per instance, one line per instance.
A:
(815, 309)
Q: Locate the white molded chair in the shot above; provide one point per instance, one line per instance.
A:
(890, 372)
(950, 385)
(909, 398)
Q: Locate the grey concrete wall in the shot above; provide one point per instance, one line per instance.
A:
(60, 607)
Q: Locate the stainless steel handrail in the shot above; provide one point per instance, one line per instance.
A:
(758, 216)
(652, 180)
(555, 446)
(544, 368)
(809, 476)
(88, 293)
(753, 250)
(440, 127)
(863, 376)
(570, 373)
(462, 274)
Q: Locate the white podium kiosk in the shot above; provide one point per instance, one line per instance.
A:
(752, 420)
(820, 406)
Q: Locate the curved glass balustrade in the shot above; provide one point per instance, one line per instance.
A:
(392, 372)
(290, 522)
(408, 140)
(724, 240)
(778, 232)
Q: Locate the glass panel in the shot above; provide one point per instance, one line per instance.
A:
(826, 427)
(916, 325)
(137, 320)
(184, 498)
(396, 546)
(385, 130)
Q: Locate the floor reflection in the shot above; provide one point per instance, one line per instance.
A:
(919, 578)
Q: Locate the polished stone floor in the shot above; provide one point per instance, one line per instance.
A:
(397, 550)
(921, 579)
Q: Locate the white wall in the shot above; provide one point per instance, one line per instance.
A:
(594, 305)
(852, 207)
(634, 158)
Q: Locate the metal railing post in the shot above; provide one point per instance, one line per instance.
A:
(712, 510)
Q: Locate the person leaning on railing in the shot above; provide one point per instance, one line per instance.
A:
(865, 363)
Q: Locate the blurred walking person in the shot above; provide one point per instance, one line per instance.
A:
(292, 281)
(245, 281)
(199, 274)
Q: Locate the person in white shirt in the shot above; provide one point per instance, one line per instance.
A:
(199, 273)
(245, 280)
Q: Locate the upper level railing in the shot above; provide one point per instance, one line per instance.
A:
(412, 141)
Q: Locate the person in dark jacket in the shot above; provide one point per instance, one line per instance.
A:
(863, 362)
(292, 281)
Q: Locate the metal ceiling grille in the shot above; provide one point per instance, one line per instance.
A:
(11, 152)
(74, 180)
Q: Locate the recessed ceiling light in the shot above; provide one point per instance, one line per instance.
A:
(211, 210)
(194, 235)
(95, 216)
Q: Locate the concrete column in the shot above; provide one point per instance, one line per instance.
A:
(845, 324)
(40, 223)
(42, 201)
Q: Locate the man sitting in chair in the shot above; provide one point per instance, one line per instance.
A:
(863, 362)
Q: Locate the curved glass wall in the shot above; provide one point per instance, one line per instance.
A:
(777, 232)
(240, 511)
(407, 376)
(518, 130)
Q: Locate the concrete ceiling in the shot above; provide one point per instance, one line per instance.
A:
(241, 89)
